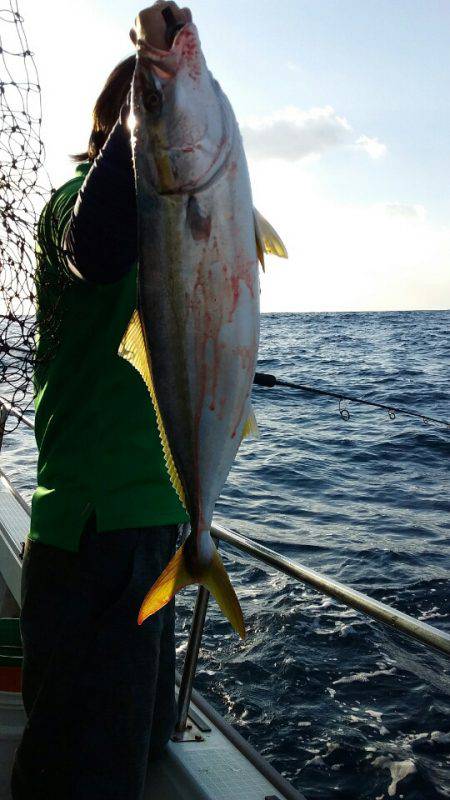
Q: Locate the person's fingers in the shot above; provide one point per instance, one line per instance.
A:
(180, 14)
(187, 14)
(150, 24)
(153, 15)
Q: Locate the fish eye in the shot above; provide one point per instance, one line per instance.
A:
(153, 101)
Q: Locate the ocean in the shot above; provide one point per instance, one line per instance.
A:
(343, 707)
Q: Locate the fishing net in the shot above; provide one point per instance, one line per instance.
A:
(25, 187)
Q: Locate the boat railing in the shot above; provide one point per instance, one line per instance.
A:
(6, 408)
(428, 635)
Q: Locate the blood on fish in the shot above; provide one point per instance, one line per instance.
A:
(246, 272)
(249, 366)
(208, 329)
(194, 278)
(191, 55)
(246, 354)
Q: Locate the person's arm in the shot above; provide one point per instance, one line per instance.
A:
(100, 241)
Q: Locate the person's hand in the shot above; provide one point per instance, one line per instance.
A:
(150, 25)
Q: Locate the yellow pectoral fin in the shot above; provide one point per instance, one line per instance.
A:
(177, 575)
(267, 239)
(133, 349)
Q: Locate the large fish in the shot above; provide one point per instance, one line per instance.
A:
(194, 336)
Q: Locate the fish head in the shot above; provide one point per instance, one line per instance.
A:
(178, 121)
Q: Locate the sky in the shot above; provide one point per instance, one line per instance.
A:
(344, 107)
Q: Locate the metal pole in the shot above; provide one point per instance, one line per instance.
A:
(3, 417)
(190, 662)
(420, 631)
(426, 634)
(15, 412)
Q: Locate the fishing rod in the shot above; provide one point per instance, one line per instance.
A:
(269, 381)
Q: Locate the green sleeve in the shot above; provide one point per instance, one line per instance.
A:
(53, 275)
(52, 225)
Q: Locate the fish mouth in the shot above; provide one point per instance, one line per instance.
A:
(172, 26)
(155, 77)
(165, 63)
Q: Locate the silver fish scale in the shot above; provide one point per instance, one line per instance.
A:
(199, 302)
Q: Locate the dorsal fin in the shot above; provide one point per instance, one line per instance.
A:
(267, 239)
(133, 349)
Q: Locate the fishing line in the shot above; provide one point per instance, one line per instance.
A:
(269, 381)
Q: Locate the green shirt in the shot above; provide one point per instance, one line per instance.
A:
(96, 431)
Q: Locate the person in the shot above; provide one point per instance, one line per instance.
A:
(98, 689)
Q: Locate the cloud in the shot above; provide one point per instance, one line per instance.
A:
(405, 210)
(347, 256)
(293, 66)
(373, 147)
(292, 134)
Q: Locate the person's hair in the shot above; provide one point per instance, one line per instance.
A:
(107, 107)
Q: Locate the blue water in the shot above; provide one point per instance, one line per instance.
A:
(344, 708)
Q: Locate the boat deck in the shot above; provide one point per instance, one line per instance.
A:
(210, 762)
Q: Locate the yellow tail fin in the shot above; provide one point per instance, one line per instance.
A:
(177, 575)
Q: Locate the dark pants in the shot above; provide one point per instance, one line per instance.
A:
(98, 689)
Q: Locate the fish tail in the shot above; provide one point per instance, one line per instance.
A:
(216, 580)
(177, 575)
